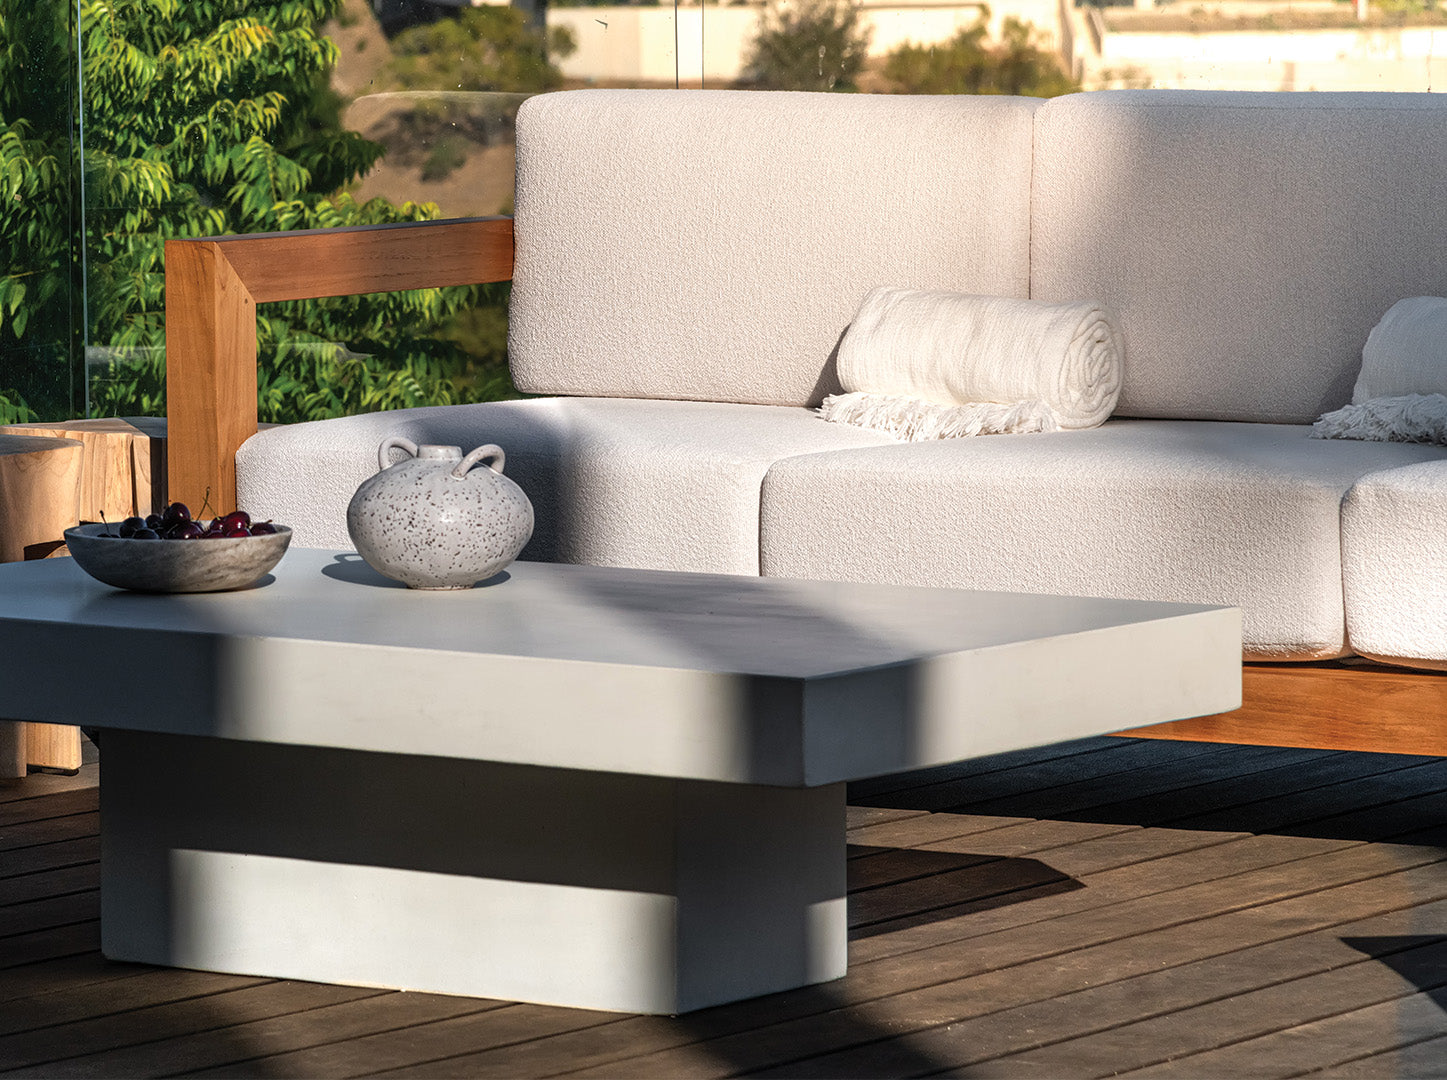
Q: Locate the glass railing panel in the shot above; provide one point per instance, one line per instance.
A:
(267, 115)
(38, 204)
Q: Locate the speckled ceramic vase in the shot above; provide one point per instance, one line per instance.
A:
(433, 521)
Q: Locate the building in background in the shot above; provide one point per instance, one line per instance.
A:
(1215, 44)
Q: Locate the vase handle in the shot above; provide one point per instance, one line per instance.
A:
(383, 461)
(490, 450)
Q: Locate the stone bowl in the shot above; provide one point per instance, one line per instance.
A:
(175, 566)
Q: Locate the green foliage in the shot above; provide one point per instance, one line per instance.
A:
(1408, 7)
(15, 412)
(481, 331)
(204, 117)
(969, 63)
(483, 48)
(808, 45)
(38, 247)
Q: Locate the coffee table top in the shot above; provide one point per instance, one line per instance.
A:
(698, 676)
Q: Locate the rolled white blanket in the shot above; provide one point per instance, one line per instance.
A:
(932, 364)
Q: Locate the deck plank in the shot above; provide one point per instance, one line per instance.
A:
(1184, 777)
(418, 1050)
(1399, 821)
(1232, 794)
(1350, 808)
(976, 884)
(139, 987)
(23, 888)
(861, 790)
(48, 912)
(1336, 1041)
(39, 785)
(875, 868)
(1418, 1061)
(80, 851)
(34, 1053)
(1124, 758)
(1299, 1001)
(47, 831)
(860, 817)
(1165, 888)
(78, 801)
(922, 825)
(1087, 848)
(64, 973)
(50, 944)
(332, 1039)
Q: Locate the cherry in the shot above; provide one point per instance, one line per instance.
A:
(176, 514)
(176, 523)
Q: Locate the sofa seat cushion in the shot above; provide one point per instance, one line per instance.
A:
(1394, 565)
(672, 485)
(1205, 512)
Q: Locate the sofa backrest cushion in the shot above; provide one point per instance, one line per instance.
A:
(714, 245)
(1247, 242)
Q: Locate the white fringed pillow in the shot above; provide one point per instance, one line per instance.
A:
(1401, 390)
(934, 365)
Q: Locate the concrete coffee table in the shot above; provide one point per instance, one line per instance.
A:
(594, 787)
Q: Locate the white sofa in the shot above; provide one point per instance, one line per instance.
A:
(686, 263)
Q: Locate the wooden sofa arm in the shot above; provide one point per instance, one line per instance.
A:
(213, 285)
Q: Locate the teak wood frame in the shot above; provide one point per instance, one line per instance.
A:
(214, 284)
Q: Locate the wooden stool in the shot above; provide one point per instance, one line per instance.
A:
(39, 500)
(125, 463)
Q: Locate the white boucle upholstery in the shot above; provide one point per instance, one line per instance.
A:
(1394, 565)
(671, 485)
(714, 245)
(1247, 242)
(1226, 513)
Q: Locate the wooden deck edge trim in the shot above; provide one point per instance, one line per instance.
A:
(1327, 706)
(213, 285)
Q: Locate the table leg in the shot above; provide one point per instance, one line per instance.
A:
(593, 890)
(13, 749)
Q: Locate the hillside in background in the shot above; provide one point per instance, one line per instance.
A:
(458, 153)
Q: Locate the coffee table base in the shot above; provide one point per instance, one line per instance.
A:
(593, 890)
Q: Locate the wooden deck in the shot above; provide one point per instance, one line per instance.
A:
(1106, 907)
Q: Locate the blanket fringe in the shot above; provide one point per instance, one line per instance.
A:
(912, 420)
(1414, 418)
